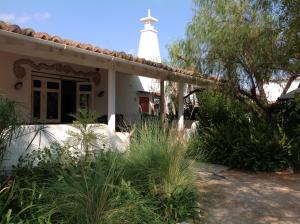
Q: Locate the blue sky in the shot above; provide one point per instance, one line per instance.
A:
(111, 24)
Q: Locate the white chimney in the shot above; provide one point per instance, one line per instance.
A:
(149, 47)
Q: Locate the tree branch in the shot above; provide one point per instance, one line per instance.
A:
(253, 98)
(192, 92)
(289, 83)
(250, 75)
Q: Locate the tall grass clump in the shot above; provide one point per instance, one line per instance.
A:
(97, 193)
(151, 182)
(156, 165)
(80, 192)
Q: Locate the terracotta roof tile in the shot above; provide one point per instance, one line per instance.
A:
(42, 35)
(56, 39)
(45, 36)
(14, 28)
(28, 32)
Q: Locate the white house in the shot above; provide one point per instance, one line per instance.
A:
(51, 78)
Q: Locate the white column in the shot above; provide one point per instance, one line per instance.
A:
(180, 106)
(162, 99)
(111, 100)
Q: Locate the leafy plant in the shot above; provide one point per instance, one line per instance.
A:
(289, 119)
(9, 120)
(86, 139)
(230, 134)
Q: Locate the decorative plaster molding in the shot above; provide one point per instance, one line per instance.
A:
(20, 71)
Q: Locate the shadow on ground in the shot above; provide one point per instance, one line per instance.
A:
(236, 197)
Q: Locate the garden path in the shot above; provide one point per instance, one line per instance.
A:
(236, 197)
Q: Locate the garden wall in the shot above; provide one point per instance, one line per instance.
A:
(37, 137)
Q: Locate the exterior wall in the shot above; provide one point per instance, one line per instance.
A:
(149, 84)
(50, 134)
(23, 95)
(274, 90)
(127, 102)
(8, 80)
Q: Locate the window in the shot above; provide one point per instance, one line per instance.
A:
(55, 100)
(85, 99)
(46, 101)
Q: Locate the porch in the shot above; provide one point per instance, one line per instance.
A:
(52, 78)
(74, 78)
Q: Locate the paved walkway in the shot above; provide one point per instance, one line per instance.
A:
(235, 197)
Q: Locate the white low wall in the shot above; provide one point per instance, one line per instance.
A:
(37, 137)
(33, 137)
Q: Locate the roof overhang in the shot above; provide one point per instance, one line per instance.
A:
(49, 50)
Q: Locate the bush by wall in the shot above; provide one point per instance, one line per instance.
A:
(150, 183)
(230, 134)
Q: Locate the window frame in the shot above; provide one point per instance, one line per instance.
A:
(43, 99)
(81, 92)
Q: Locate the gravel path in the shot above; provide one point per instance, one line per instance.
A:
(235, 197)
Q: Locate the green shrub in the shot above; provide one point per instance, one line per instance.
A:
(230, 134)
(289, 118)
(149, 183)
(243, 149)
(9, 119)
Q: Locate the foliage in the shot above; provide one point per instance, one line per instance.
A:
(156, 166)
(247, 43)
(97, 194)
(289, 118)
(86, 139)
(55, 185)
(47, 163)
(23, 201)
(9, 119)
(229, 134)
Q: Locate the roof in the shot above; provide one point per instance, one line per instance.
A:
(86, 46)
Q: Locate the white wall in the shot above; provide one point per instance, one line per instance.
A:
(53, 133)
(273, 89)
(127, 102)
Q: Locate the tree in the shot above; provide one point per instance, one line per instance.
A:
(246, 42)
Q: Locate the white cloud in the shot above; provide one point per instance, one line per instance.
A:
(14, 18)
(7, 17)
(131, 51)
(42, 15)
